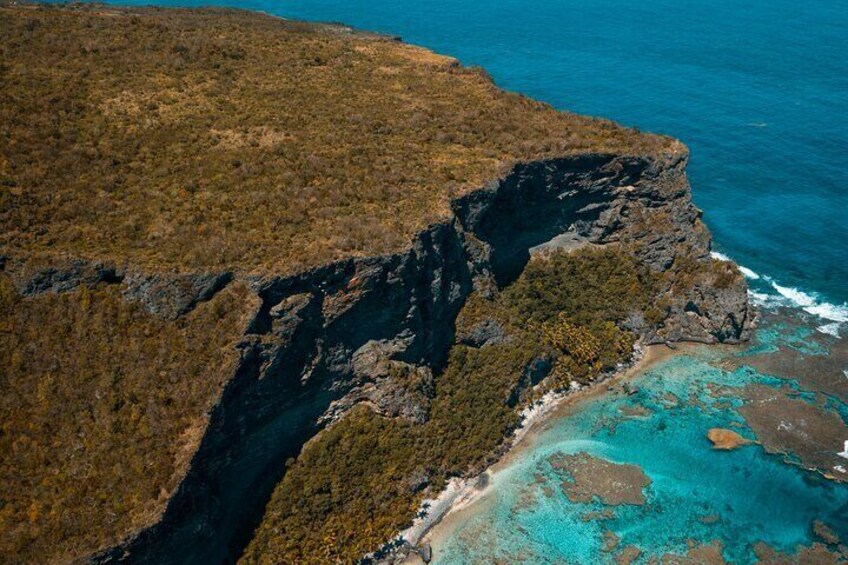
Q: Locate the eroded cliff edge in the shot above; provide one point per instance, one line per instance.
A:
(320, 342)
(158, 390)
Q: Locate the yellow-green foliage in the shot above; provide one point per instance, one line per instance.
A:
(203, 139)
(353, 473)
(102, 406)
(218, 138)
(688, 272)
(351, 489)
(577, 342)
(589, 285)
(585, 351)
(724, 274)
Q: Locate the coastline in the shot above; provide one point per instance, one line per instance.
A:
(487, 521)
(460, 493)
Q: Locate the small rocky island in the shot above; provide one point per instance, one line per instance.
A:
(266, 285)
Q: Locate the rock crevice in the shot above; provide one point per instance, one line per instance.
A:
(377, 329)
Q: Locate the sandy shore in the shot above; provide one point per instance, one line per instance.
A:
(445, 509)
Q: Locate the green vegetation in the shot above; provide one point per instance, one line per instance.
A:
(208, 139)
(359, 482)
(586, 305)
(356, 484)
(591, 286)
(199, 140)
(103, 406)
(585, 351)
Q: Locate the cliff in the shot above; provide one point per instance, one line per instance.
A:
(177, 329)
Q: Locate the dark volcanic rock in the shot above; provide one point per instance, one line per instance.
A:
(165, 294)
(375, 329)
(171, 296)
(488, 331)
(59, 276)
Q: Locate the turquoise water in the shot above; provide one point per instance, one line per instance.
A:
(758, 90)
(697, 494)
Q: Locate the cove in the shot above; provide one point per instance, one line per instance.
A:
(697, 495)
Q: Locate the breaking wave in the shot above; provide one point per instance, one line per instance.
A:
(811, 303)
(770, 294)
(749, 274)
(830, 329)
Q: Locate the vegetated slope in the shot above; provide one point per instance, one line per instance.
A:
(362, 480)
(570, 317)
(220, 231)
(103, 406)
(222, 139)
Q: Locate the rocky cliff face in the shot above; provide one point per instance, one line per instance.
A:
(166, 348)
(361, 330)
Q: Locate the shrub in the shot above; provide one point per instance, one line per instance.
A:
(358, 482)
(210, 139)
(103, 404)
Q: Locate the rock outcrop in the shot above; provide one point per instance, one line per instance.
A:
(375, 329)
(726, 440)
(160, 195)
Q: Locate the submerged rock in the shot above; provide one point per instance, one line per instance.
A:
(628, 555)
(590, 477)
(710, 554)
(825, 533)
(793, 427)
(611, 541)
(817, 554)
(726, 439)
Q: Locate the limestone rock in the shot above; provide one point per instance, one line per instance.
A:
(726, 439)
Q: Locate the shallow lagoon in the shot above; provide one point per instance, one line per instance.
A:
(758, 93)
(697, 494)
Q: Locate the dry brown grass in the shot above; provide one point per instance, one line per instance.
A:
(204, 139)
(197, 140)
(103, 406)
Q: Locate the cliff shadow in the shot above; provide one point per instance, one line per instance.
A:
(296, 360)
(539, 201)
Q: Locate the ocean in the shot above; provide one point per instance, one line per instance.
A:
(759, 92)
(735, 502)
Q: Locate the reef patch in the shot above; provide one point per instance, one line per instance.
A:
(805, 432)
(726, 439)
(591, 477)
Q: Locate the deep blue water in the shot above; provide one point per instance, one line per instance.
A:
(758, 91)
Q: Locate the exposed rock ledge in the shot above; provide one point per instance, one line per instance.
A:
(331, 337)
(726, 440)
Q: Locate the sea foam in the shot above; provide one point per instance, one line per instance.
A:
(830, 311)
(811, 304)
(749, 274)
(830, 329)
(798, 297)
(765, 300)
(793, 297)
